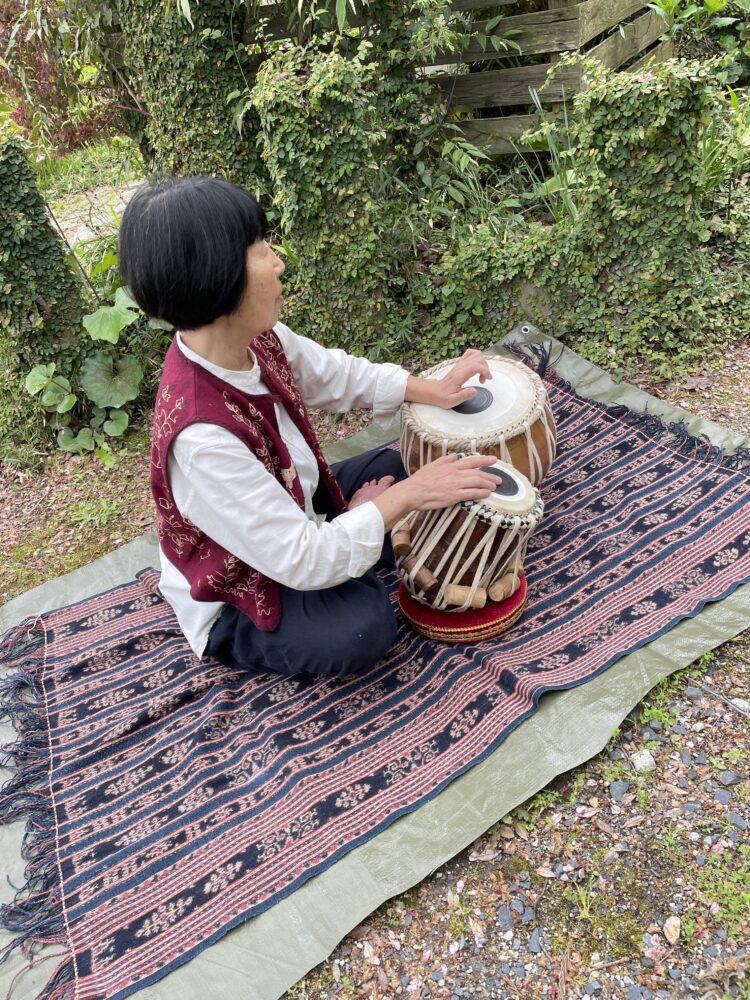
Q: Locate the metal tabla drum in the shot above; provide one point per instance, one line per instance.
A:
(509, 417)
(460, 557)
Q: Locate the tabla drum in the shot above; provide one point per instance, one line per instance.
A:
(510, 418)
(460, 557)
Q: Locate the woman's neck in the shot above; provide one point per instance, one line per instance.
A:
(223, 343)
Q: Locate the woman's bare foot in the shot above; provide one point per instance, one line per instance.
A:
(370, 490)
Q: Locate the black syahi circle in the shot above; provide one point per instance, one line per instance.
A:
(507, 486)
(481, 401)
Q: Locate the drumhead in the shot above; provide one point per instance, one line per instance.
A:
(508, 398)
(513, 494)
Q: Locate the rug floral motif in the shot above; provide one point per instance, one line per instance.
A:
(169, 799)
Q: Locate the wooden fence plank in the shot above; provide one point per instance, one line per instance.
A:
(595, 16)
(540, 31)
(634, 38)
(659, 53)
(504, 87)
(494, 135)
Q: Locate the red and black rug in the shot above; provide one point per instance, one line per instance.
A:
(168, 799)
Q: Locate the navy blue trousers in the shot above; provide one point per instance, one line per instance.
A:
(337, 631)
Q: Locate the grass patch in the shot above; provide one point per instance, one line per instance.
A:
(112, 163)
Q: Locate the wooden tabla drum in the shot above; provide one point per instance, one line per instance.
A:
(464, 556)
(510, 418)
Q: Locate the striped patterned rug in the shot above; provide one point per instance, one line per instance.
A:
(168, 799)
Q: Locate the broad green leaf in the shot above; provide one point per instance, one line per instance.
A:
(160, 324)
(107, 322)
(117, 423)
(82, 441)
(108, 382)
(125, 300)
(67, 403)
(52, 396)
(38, 378)
(99, 416)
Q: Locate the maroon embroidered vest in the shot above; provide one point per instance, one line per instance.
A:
(190, 394)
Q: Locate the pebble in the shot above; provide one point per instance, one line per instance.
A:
(617, 789)
(592, 987)
(535, 946)
(634, 993)
(517, 905)
(737, 820)
(741, 703)
(504, 918)
(700, 758)
(656, 725)
(643, 761)
(729, 778)
(679, 729)
(693, 693)
(528, 915)
(700, 860)
(674, 974)
(723, 796)
(690, 807)
(686, 757)
(671, 929)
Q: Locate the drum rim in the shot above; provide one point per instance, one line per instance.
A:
(506, 520)
(535, 410)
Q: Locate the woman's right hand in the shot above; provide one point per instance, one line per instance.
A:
(442, 483)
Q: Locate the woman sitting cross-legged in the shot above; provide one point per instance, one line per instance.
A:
(267, 552)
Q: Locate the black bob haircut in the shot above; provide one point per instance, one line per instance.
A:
(183, 245)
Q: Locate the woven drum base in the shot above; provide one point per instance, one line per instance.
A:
(463, 626)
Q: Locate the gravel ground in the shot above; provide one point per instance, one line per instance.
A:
(625, 878)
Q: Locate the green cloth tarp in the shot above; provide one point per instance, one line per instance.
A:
(262, 958)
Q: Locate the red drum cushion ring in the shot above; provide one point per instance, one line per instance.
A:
(473, 625)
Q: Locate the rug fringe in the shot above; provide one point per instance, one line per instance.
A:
(35, 915)
(673, 435)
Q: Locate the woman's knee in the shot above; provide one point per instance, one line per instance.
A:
(358, 636)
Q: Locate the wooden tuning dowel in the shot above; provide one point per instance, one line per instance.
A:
(453, 594)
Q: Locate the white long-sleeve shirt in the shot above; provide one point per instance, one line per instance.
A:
(220, 485)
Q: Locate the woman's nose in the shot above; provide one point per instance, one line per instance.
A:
(283, 265)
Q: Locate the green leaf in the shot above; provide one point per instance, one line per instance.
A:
(38, 378)
(107, 322)
(67, 403)
(108, 261)
(184, 6)
(124, 300)
(108, 382)
(82, 441)
(99, 416)
(117, 423)
(341, 8)
(52, 396)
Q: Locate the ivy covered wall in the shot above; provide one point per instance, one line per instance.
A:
(41, 298)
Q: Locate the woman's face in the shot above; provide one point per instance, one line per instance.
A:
(263, 298)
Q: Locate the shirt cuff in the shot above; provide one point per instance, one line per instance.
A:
(390, 390)
(366, 530)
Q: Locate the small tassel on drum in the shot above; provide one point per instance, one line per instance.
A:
(401, 539)
(455, 595)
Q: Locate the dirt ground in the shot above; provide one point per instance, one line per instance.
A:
(625, 878)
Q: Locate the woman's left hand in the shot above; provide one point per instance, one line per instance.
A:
(449, 390)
